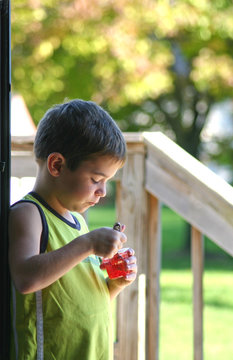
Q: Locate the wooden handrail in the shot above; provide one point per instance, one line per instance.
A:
(191, 189)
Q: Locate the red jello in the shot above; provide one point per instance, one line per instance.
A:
(116, 266)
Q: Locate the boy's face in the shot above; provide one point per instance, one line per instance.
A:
(82, 188)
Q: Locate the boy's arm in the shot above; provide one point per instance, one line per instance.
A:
(32, 271)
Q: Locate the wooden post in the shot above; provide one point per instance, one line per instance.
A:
(131, 211)
(197, 267)
(153, 278)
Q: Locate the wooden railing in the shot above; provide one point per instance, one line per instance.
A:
(158, 171)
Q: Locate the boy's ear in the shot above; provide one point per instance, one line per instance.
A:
(55, 163)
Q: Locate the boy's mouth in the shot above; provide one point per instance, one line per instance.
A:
(92, 203)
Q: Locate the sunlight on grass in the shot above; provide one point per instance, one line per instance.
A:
(176, 315)
(176, 334)
(218, 333)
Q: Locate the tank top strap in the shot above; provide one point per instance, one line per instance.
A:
(45, 231)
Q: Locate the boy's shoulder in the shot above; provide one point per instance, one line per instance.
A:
(24, 205)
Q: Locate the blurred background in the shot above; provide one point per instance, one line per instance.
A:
(155, 66)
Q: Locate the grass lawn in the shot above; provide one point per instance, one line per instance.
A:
(176, 337)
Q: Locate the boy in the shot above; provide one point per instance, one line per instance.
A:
(61, 300)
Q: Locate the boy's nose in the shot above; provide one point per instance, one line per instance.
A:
(101, 191)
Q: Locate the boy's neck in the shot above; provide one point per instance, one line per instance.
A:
(50, 198)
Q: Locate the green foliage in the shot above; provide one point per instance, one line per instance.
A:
(126, 48)
(153, 65)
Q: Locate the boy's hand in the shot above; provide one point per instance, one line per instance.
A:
(106, 242)
(117, 285)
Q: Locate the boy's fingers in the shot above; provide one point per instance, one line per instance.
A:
(132, 268)
(131, 260)
(123, 238)
(123, 228)
(132, 252)
(131, 276)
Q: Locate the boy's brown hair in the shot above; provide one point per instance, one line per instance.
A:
(79, 130)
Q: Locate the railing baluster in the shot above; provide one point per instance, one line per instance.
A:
(153, 277)
(197, 267)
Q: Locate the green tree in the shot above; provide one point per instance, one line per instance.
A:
(152, 64)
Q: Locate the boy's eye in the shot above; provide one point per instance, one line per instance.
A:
(94, 181)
